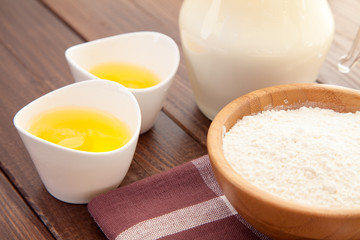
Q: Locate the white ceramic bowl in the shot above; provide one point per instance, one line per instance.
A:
(77, 176)
(152, 50)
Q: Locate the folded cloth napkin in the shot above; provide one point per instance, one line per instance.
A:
(182, 203)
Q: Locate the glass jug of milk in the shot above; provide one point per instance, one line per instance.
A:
(232, 47)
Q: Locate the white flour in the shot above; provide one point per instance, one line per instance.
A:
(310, 155)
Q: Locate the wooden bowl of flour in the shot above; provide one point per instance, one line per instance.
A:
(272, 215)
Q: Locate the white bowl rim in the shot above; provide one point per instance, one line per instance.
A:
(132, 140)
(171, 74)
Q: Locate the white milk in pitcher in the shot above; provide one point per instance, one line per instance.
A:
(233, 47)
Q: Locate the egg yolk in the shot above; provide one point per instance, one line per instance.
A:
(81, 128)
(129, 75)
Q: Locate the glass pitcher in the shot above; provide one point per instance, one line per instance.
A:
(232, 47)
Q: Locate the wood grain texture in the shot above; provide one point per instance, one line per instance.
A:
(111, 18)
(17, 89)
(94, 19)
(17, 220)
(32, 62)
(166, 146)
(273, 216)
(97, 19)
(33, 37)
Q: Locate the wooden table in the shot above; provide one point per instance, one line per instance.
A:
(33, 37)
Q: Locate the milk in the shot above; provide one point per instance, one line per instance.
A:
(232, 47)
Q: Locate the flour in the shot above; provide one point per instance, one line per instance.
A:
(309, 155)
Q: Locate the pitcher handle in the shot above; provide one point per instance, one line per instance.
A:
(349, 61)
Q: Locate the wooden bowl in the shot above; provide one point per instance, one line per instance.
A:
(275, 217)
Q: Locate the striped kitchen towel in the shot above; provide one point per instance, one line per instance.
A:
(182, 203)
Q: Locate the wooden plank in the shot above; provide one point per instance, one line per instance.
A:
(110, 18)
(62, 220)
(96, 19)
(18, 221)
(166, 146)
(32, 45)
